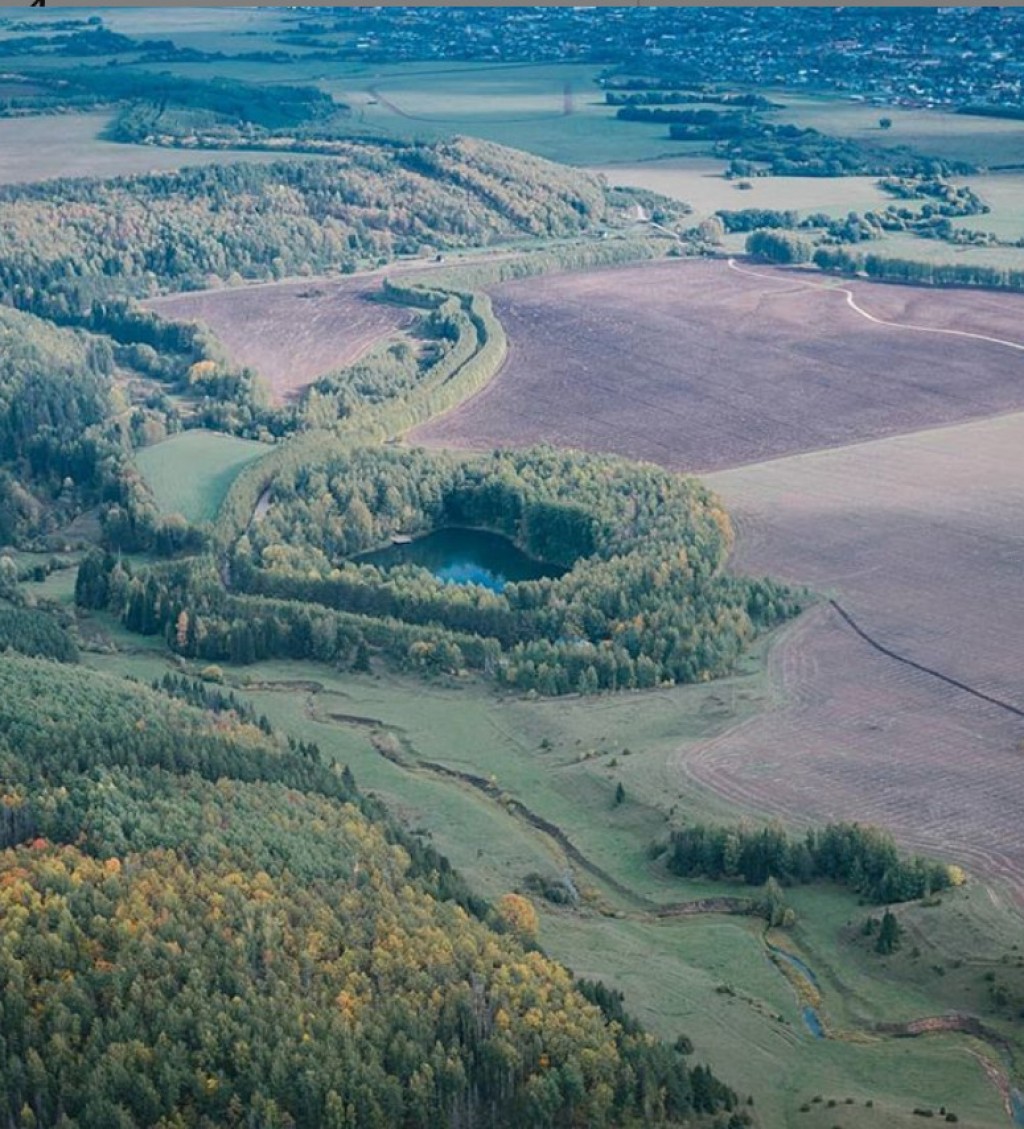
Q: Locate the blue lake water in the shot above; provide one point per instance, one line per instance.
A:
(464, 556)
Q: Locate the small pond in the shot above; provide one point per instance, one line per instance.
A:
(464, 556)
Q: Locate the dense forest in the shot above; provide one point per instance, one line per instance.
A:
(205, 926)
(67, 242)
(56, 456)
(644, 601)
(33, 631)
(864, 858)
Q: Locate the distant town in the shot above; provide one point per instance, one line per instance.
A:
(917, 57)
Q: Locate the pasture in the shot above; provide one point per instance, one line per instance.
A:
(1004, 194)
(562, 760)
(190, 472)
(701, 366)
(291, 333)
(48, 146)
(552, 109)
(700, 182)
(985, 142)
(899, 245)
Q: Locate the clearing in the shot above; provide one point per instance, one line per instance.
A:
(701, 365)
(701, 183)
(190, 472)
(48, 146)
(291, 333)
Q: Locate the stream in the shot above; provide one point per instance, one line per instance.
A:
(810, 1016)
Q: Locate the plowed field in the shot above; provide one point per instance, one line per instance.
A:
(918, 536)
(700, 366)
(292, 332)
(920, 540)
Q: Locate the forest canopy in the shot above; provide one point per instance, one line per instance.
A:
(644, 600)
(67, 242)
(213, 948)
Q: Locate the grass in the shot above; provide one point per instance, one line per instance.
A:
(552, 109)
(982, 141)
(699, 181)
(66, 145)
(562, 760)
(1004, 194)
(191, 472)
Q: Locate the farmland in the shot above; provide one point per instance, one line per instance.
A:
(291, 333)
(867, 442)
(983, 141)
(554, 110)
(64, 145)
(700, 182)
(699, 367)
(918, 539)
(190, 473)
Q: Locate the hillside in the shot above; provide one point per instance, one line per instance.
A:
(54, 392)
(66, 242)
(204, 924)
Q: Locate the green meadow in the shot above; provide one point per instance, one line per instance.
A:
(190, 472)
(708, 976)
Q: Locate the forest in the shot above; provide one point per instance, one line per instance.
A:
(56, 454)
(865, 859)
(644, 601)
(77, 254)
(205, 925)
(64, 243)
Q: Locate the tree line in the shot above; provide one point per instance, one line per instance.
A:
(866, 859)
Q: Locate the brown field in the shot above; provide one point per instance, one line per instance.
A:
(919, 538)
(57, 145)
(292, 332)
(699, 367)
(917, 535)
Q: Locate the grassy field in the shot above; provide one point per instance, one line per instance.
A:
(981, 141)
(60, 145)
(554, 110)
(1004, 194)
(700, 182)
(190, 473)
(706, 976)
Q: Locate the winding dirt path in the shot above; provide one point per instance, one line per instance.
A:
(851, 301)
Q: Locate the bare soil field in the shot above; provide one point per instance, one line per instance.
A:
(919, 539)
(700, 366)
(292, 332)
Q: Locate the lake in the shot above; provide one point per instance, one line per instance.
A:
(464, 556)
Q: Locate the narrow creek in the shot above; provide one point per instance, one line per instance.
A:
(811, 1018)
(1013, 1095)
